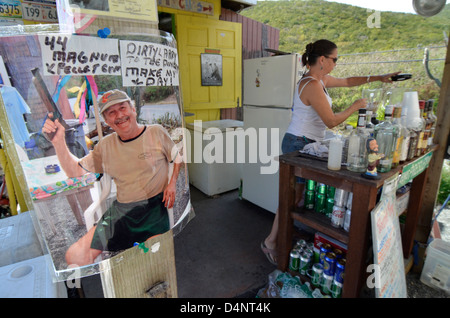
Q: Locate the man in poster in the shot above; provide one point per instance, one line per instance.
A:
(137, 157)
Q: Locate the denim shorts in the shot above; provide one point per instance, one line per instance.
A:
(293, 143)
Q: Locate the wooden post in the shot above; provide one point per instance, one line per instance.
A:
(435, 168)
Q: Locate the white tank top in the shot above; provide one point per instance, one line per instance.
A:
(305, 120)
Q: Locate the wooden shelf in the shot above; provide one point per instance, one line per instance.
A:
(321, 223)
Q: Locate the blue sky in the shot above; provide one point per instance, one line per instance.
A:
(382, 5)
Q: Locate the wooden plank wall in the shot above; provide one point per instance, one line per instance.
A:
(256, 37)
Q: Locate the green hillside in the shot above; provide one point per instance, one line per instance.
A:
(397, 45)
(352, 28)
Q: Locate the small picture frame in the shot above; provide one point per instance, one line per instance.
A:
(211, 65)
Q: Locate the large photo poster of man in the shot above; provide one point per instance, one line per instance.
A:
(102, 158)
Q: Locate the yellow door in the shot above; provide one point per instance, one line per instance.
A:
(197, 36)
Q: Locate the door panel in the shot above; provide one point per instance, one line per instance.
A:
(196, 35)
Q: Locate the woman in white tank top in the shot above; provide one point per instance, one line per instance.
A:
(312, 112)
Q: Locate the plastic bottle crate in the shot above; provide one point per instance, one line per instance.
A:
(436, 271)
(29, 279)
(18, 239)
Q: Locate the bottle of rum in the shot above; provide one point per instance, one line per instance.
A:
(357, 151)
(400, 136)
(421, 130)
(386, 136)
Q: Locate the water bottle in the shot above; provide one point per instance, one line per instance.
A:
(335, 154)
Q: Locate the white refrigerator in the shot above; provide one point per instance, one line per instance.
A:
(269, 86)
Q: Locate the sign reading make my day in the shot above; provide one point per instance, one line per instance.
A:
(139, 63)
(148, 64)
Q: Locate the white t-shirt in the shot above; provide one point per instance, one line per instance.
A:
(138, 166)
(305, 121)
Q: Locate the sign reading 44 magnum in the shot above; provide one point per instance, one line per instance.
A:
(148, 64)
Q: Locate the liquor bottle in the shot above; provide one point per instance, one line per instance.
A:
(370, 127)
(386, 136)
(421, 130)
(427, 129)
(357, 151)
(433, 119)
(406, 141)
(400, 136)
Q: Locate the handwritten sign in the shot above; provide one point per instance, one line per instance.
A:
(148, 64)
(130, 9)
(390, 281)
(188, 5)
(79, 55)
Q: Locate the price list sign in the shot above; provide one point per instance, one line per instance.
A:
(390, 281)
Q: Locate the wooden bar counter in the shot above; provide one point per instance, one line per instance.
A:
(364, 200)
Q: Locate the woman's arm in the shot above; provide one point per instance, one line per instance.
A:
(314, 96)
(331, 81)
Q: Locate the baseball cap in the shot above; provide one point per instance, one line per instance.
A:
(111, 98)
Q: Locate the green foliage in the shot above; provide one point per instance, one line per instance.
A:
(444, 189)
(397, 45)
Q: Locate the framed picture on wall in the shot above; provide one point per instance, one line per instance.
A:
(211, 65)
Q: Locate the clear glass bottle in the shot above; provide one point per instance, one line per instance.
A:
(357, 151)
(386, 136)
(406, 141)
(421, 129)
(400, 136)
(433, 120)
(370, 127)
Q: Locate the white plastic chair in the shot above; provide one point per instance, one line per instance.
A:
(95, 211)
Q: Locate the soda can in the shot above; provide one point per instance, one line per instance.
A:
(347, 217)
(305, 263)
(349, 201)
(320, 203)
(324, 249)
(329, 263)
(339, 271)
(316, 274)
(330, 192)
(340, 197)
(329, 207)
(294, 261)
(321, 188)
(311, 185)
(310, 197)
(336, 289)
(339, 254)
(327, 282)
(337, 217)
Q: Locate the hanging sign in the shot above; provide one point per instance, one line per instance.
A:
(148, 64)
(188, 5)
(390, 281)
(130, 9)
(413, 169)
(79, 55)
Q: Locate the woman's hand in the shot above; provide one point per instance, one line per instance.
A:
(358, 104)
(386, 78)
